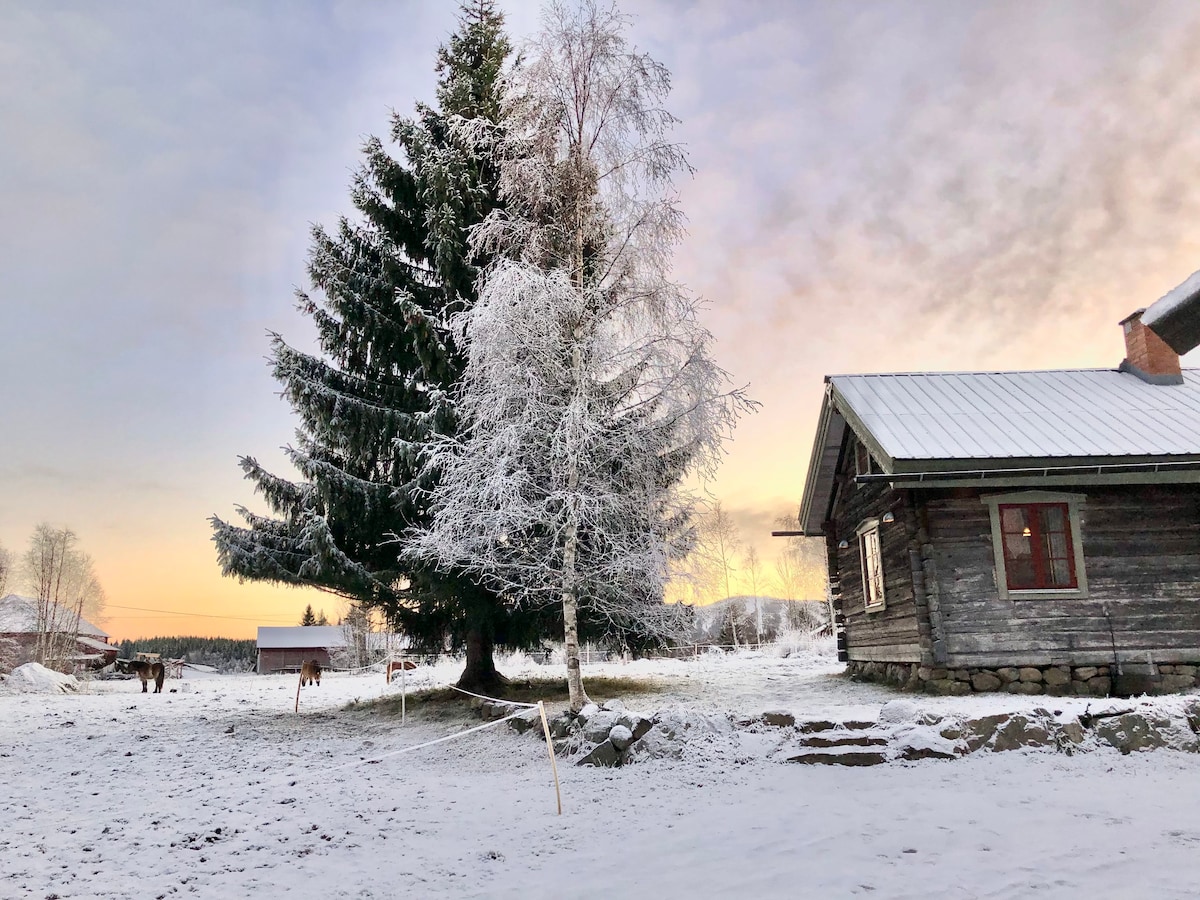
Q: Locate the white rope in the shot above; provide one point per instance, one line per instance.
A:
(493, 699)
(441, 740)
(373, 667)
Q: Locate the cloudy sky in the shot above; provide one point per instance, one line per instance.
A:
(879, 187)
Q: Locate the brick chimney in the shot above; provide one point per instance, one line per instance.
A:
(1147, 355)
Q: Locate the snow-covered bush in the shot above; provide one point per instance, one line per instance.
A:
(803, 643)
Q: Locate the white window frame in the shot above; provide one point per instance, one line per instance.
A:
(1074, 503)
(870, 554)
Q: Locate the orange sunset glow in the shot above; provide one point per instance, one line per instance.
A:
(983, 190)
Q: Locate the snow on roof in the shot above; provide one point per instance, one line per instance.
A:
(326, 637)
(1172, 300)
(301, 636)
(1070, 413)
(1175, 317)
(95, 644)
(18, 615)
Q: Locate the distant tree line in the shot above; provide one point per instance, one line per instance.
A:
(225, 654)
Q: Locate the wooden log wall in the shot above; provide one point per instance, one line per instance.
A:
(891, 634)
(1141, 547)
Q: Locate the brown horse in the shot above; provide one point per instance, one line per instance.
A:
(310, 672)
(144, 670)
(397, 665)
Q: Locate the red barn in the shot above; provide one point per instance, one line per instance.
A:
(19, 630)
(285, 649)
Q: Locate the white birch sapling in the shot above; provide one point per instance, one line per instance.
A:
(590, 390)
(6, 568)
(753, 568)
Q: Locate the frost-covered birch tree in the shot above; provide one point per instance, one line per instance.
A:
(590, 390)
(6, 568)
(63, 581)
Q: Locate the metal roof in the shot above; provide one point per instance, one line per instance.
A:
(322, 637)
(1059, 414)
(19, 615)
(308, 637)
(97, 645)
(1054, 427)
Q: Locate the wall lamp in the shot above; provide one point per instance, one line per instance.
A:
(888, 518)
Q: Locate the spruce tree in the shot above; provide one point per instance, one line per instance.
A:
(591, 391)
(309, 618)
(385, 286)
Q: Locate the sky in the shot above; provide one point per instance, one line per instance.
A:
(879, 187)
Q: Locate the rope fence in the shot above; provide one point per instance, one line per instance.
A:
(441, 740)
(522, 708)
(455, 687)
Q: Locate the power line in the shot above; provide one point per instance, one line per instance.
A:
(174, 612)
(124, 618)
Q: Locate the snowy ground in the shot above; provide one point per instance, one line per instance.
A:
(219, 790)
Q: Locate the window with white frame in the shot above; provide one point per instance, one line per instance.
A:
(870, 552)
(1037, 545)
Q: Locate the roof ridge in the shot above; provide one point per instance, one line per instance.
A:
(985, 372)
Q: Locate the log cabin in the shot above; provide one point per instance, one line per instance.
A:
(1032, 532)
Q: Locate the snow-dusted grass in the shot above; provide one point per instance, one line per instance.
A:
(226, 793)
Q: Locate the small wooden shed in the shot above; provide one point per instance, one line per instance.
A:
(1035, 532)
(285, 649)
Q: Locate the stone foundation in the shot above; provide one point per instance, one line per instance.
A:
(1054, 681)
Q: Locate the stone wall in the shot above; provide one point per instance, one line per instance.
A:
(1054, 681)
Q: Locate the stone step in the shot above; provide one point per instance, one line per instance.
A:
(825, 725)
(837, 757)
(844, 739)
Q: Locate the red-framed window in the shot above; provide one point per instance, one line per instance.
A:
(1039, 551)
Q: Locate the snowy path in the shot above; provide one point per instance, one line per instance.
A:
(197, 811)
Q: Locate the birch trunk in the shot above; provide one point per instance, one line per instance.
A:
(570, 606)
(570, 600)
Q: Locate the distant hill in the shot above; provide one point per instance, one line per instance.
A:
(715, 623)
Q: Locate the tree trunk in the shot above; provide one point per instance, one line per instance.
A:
(578, 695)
(570, 601)
(479, 674)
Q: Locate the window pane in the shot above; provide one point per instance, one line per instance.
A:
(1056, 545)
(1021, 575)
(1052, 518)
(1016, 546)
(872, 560)
(1060, 573)
(1013, 519)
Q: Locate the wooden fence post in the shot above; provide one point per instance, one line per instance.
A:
(550, 750)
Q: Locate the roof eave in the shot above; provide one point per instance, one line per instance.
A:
(1045, 473)
(818, 482)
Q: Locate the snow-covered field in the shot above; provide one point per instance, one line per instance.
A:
(219, 790)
